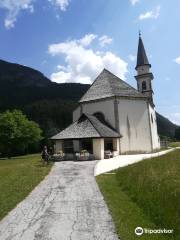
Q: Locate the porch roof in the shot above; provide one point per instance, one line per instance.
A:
(87, 126)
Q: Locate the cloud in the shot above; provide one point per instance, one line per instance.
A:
(13, 8)
(62, 4)
(177, 60)
(87, 39)
(83, 63)
(132, 57)
(104, 40)
(133, 2)
(154, 14)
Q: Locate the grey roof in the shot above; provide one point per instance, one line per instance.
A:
(87, 126)
(141, 55)
(108, 85)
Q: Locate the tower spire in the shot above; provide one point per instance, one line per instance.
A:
(141, 54)
(144, 76)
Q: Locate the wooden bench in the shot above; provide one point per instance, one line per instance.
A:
(108, 154)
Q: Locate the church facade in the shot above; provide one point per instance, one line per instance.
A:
(113, 116)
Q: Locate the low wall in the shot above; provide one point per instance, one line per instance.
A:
(107, 165)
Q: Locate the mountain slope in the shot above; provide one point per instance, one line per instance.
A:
(165, 126)
(49, 104)
(22, 76)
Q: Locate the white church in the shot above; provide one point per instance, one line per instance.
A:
(114, 117)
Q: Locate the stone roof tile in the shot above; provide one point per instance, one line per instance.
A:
(108, 85)
(87, 126)
(141, 55)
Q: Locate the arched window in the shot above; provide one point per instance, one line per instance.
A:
(143, 85)
(100, 116)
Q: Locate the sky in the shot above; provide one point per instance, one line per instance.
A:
(73, 40)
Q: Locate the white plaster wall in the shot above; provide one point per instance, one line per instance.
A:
(105, 106)
(143, 69)
(136, 137)
(154, 132)
(134, 126)
(76, 113)
(98, 148)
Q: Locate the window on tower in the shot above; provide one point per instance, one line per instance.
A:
(143, 85)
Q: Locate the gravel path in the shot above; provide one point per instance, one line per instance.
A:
(66, 205)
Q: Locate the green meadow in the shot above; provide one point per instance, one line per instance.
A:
(145, 194)
(18, 177)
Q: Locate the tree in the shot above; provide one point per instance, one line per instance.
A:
(17, 133)
(177, 133)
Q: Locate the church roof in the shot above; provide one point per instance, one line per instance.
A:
(87, 126)
(141, 55)
(108, 85)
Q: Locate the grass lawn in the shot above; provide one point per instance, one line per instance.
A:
(18, 177)
(145, 194)
(175, 144)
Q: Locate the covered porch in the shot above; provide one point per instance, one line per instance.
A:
(87, 149)
(87, 138)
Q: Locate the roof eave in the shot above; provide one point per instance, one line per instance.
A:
(112, 97)
(141, 65)
(120, 136)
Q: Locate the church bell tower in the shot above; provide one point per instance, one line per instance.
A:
(144, 76)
